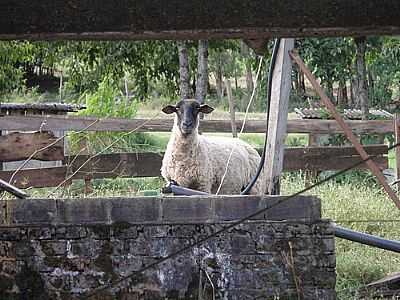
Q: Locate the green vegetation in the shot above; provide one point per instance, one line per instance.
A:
(356, 202)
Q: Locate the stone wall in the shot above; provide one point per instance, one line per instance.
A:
(63, 249)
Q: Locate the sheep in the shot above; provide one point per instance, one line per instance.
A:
(198, 162)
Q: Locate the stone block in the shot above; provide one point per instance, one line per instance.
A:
(3, 212)
(192, 209)
(136, 210)
(83, 211)
(41, 233)
(279, 208)
(228, 208)
(32, 211)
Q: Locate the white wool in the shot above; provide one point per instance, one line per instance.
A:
(199, 163)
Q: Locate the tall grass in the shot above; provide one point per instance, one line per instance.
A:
(356, 202)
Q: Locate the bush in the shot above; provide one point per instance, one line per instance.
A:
(107, 101)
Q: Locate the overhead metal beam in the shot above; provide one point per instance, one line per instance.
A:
(193, 19)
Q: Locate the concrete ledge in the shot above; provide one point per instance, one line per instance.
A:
(156, 210)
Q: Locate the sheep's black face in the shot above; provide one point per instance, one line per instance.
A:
(187, 112)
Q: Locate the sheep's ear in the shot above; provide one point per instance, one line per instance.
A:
(169, 109)
(205, 109)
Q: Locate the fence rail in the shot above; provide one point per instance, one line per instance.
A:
(74, 123)
(148, 164)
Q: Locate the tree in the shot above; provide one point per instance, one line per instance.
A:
(361, 76)
(249, 72)
(330, 59)
(202, 71)
(184, 75)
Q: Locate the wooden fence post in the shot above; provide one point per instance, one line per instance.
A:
(281, 85)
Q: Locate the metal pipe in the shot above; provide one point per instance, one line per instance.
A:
(366, 239)
(5, 186)
(181, 191)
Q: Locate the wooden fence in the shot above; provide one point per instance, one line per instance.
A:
(21, 146)
(148, 164)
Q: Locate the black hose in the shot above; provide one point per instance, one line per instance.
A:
(253, 181)
(366, 239)
(177, 190)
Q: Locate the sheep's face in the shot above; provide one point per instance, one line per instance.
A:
(187, 113)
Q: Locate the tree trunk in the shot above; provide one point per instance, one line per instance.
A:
(371, 87)
(362, 93)
(202, 71)
(231, 106)
(329, 90)
(184, 75)
(236, 78)
(249, 74)
(353, 93)
(342, 94)
(302, 83)
(218, 79)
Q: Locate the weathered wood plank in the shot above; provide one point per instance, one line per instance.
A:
(385, 288)
(148, 164)
(73, 123)
(44, 177)
(329, 163)
(17, 146)
(278, 114)
(192, 19)
(334, 151)
(145, 164)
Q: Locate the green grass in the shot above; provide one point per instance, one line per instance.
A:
(160, 139)
(356, 198)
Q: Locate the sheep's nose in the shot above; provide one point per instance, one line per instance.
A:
(187, 123)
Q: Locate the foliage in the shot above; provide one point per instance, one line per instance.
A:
(383, 58)
(108, 101)
(330, 59)
(89, 62)
(86, 64)
(11, 74)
